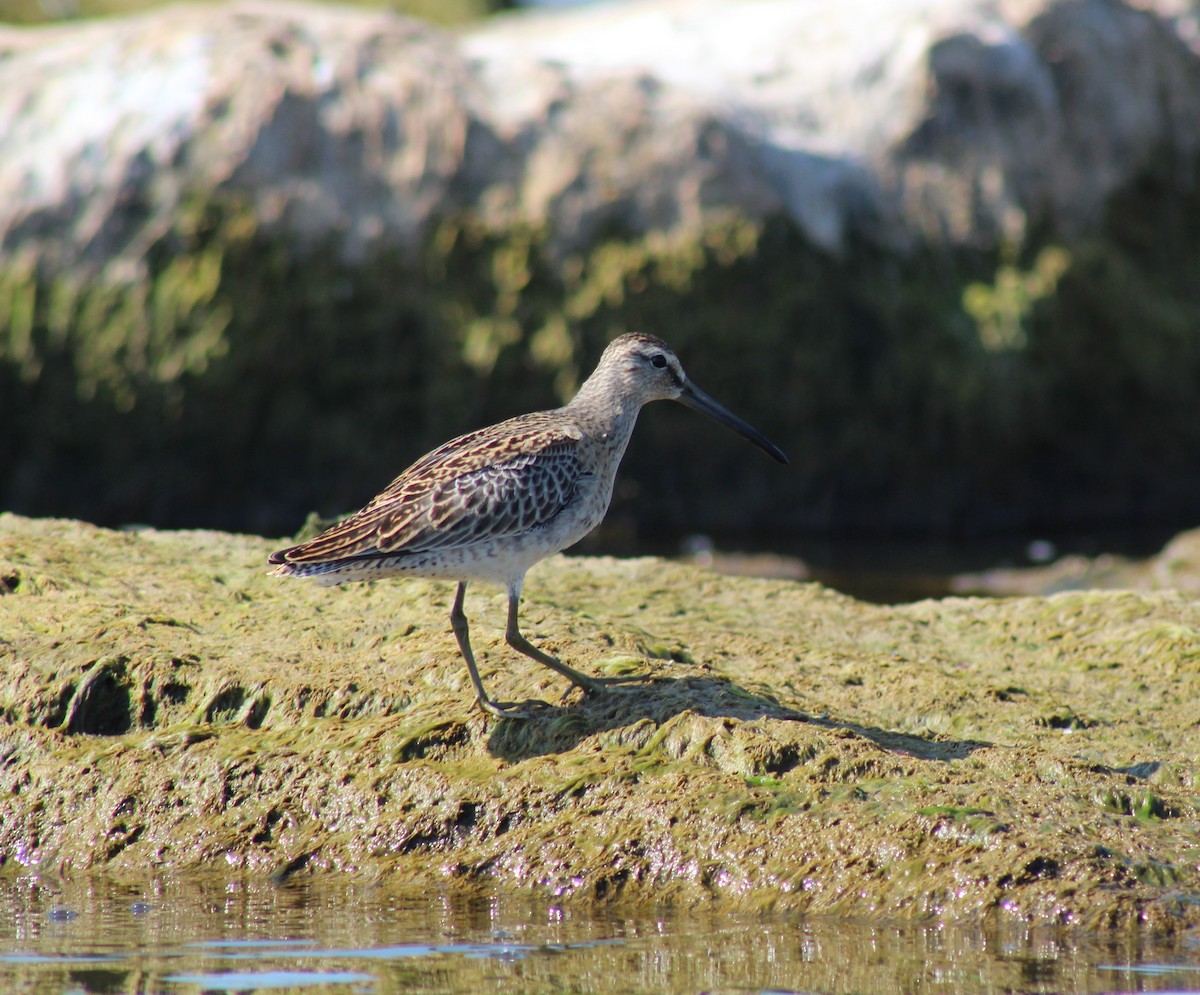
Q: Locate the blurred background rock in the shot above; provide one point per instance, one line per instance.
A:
(444, 12)
(256, 257)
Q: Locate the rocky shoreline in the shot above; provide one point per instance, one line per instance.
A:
(167, 706)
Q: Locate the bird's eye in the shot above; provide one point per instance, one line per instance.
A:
(658, 361)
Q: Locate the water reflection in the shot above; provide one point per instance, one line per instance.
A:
(211, 935)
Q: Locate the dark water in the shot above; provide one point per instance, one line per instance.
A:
(212, 935)
(887, 571)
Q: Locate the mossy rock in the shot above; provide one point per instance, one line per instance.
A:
(168, 705)
(239, 384)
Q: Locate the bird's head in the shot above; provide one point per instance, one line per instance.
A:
(648, 370)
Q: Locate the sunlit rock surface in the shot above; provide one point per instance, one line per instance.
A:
(958, 120)
(329, 120)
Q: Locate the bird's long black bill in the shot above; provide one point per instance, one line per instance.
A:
(697, 400)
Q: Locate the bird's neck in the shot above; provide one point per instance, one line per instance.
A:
(606, 409)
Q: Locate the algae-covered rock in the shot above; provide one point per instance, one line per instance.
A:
(166, 704)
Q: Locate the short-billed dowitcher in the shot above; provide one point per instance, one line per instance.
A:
(490, 504)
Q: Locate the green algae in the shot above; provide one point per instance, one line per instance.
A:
(233, 370)
(167, 704)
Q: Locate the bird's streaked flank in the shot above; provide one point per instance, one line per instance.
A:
(490, 504)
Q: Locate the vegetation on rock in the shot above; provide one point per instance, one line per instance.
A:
(167, 705)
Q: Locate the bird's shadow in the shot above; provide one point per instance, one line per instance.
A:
(557, 729)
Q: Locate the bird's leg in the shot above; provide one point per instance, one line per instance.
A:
(458, 622)
(517, 641)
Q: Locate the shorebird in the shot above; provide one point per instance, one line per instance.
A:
(490, 504)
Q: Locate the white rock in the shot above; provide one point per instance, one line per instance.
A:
(961, 122)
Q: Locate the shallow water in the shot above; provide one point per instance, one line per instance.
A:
(211, 935)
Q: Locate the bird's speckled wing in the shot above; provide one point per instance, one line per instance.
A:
(499, 481)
